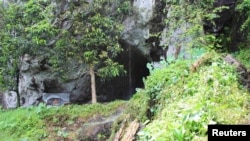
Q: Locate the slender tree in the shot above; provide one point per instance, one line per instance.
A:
(93, 40)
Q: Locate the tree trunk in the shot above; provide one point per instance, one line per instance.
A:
(93, 85)
(17, 87)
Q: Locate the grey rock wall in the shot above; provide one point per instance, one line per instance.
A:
(137, 25)
(37, 77)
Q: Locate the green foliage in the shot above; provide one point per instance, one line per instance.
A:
(154, 85)
(92, 40)
(159, 79)
(243, 56)
(21, 124)
(124, 8)
(25, 29)
(197, 3)
(138, 106)
(186, 21)
(33, 123)
(32, 27)
(244, 9)
(183, 103)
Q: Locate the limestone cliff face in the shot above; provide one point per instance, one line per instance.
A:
(37, 77)
(147, 17)
(137, 25)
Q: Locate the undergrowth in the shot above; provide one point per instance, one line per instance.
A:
(182, 103)
(32, 123)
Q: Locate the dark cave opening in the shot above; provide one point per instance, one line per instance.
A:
(135, 64)
(124, 87)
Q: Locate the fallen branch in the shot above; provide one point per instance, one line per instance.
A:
(127, 133)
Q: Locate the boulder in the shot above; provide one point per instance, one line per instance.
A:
(244, 74)
(10, 99)
(97, 128)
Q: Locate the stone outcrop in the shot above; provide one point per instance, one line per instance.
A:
(244, 74)
(137, 25)
(146, 30)
(9, 99)
(37, 77)
(98, 128)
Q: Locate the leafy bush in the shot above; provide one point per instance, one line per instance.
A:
(243, 56)
(138, 106)
(159, 79)
(185, 102)
(244, 9)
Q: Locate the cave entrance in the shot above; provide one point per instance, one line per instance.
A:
(124, 87)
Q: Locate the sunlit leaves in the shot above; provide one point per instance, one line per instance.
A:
(90, 57)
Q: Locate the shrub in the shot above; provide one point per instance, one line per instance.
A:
(184, 103)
